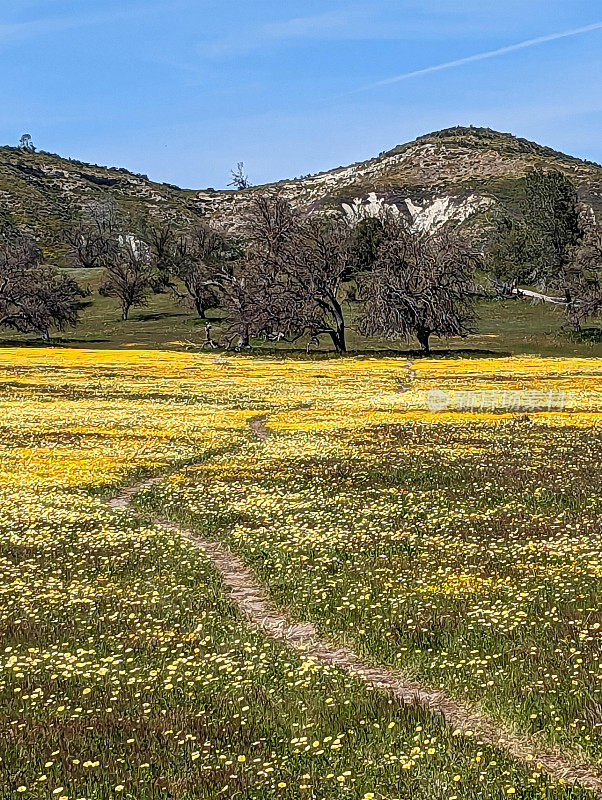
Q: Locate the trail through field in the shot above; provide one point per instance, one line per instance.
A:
(253, 601)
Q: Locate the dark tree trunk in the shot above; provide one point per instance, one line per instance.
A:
(124, 313)
(338, 340)
(423, 340)
(573, 318)
(200, 309)
(338, 335)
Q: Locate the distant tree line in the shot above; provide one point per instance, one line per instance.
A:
(293, 276)
(551, 241)
(285, 274)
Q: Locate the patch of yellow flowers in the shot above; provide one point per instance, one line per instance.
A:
(124, 671)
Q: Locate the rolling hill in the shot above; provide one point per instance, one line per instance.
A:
(457, 174)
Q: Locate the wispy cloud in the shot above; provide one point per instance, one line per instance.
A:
(19, 31)
(501, 51)
(353, 22)
(337, 24)
(377, 21)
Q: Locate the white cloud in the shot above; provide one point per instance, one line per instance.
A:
(365, 22)
(337, 24)
(18, 31)
(486, 55)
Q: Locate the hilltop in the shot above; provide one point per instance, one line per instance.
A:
(43, 193)
(453, 174)
(457, 174)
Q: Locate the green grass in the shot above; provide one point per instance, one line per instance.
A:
(124, 670)
(169, 694)
(467, 555)
(505, 328)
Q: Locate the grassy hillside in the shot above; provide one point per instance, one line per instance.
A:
(460, 171)
(456, 164)
(43, 193)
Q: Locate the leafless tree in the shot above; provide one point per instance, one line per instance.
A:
(419, 285)
(254, 302)
(239, 179)
(190, 263)
(245, 300)
(161, 239)
(128, 272)
(324, 248)
(290, 282)
(198, 265)
(34, 297)
(92, 238)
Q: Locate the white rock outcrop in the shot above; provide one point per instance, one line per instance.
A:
(427, 217)
(432, 216)
(370, 206)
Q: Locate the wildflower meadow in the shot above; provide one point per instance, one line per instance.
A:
(461, 548)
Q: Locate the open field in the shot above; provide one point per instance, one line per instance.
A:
(505, 328)
(461, 548)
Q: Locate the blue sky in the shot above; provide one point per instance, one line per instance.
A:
(183, 89)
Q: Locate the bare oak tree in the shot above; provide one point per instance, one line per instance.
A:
(34, 297)
(419, 285)
(92, 238)
(190, 264)
(198, 266)
(289, 285)
(161, 240)
(252, 297)
(246, 299)
(128, 272)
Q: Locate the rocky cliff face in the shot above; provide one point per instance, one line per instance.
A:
(426, 216)
(457, 175)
